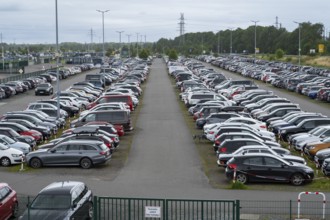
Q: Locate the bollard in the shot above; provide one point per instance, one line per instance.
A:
(22, 164)
(234, 176)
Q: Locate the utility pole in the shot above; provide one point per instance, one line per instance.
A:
(231, 40)
(92, 34)
(145, 40)
(129, 45)
(255, 39)
(219, 43)
(181, 26)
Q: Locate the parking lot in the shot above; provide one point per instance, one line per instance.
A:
(162, 161)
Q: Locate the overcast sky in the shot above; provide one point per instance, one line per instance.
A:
(33, 21)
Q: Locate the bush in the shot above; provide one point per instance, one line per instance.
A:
(279, 54)
(173, 55)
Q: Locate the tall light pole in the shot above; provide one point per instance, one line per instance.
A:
(119, 32)
(129, 44)
(57, 64)
(103, 51)
(3, 55)
(137, 44)
(255, 39)
(299, 50)
(231, 40)
(219, 43)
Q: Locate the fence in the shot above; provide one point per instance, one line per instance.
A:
(115, 208)
(15, 77)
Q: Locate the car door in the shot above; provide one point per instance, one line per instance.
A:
(56, 155)
(274, 170)
(5, 203)
(73, 154)
(253, 167)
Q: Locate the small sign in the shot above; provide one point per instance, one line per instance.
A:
(20, 71)
(152, 212)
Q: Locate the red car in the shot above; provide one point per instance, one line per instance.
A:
(8, 202)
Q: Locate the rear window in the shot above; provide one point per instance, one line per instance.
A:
(118, 115)
(103, 147)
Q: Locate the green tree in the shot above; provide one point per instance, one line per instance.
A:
(144, 54)
(173, 55)
(279, 54)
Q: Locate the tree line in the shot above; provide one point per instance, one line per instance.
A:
(269, 39)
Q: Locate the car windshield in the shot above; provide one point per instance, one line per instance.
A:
(8, 140)
(52, 201)
(3, 147)
(43, 85)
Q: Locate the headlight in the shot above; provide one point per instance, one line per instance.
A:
(311, 148)
(15, 155)
(35, 89)
(283, 131)
(27, 139)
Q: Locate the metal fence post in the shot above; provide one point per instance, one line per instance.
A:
(290, 209)
(95, 208)
(237, 209)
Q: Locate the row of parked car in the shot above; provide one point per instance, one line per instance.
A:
(305, 80)
(38, 83)
(235, 115)
(105, 115)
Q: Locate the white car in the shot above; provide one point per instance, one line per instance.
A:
(249, 121)
(7, 141)
(106, 106)
(9, 156)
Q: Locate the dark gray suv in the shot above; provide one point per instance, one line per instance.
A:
(61, 200)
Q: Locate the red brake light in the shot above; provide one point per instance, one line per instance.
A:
(217, 142)
(232, 166)
(223, 150)
(262, 126)
(211, 132)
(103, 153)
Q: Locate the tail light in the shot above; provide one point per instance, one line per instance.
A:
(201, 114)
(211, 132)
(103, 153)
(232, 166)
(263, 126)
(223, 150)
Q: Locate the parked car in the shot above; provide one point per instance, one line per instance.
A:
(7, 141)
(44, 89)
(8, 201)
(223, 158)
(267, 168)
(61, 200)
(326, 167)
(10, 156)
(71, 153)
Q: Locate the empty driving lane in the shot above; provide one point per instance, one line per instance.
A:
(163, 157)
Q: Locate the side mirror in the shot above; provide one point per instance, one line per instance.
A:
(83, 120)
(74, 205)
(53, 150)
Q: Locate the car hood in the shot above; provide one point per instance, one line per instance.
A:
(45, 214)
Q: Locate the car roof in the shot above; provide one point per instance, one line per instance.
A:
(64, 187)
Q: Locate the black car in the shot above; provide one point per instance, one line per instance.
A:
(44, 89)
(321, 156)
(61, 200)
(14, 135)
(267, 168)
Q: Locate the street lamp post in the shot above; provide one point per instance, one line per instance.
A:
(57, 64)
(299, 50)
(219, 43)
(137, 44)
(129, 45)
(119, 32)
(255, 39)
(231, 40)
(103, 51)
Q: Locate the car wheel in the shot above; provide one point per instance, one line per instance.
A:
(297, 179)
(35, 163)
(242, 178)
(5, 162)
(14, 212)
(90, 211)
(85, 163)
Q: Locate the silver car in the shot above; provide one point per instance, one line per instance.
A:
(24, 147)
(84, 153)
